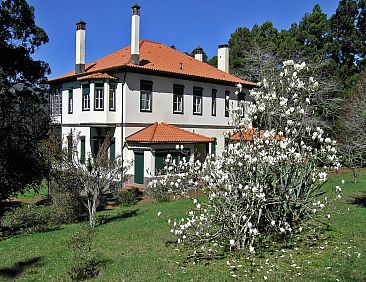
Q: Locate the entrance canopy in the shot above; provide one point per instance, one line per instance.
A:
(161, 132)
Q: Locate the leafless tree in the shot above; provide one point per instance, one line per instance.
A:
(353, 128)
(95, 177)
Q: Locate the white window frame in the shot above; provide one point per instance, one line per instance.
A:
(145, 103)
(178, 103)
(86, 99)
(99, 99)
(197, 101)
(112, 97)
(70, 101)
(56, 102)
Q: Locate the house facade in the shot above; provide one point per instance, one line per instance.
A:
(151, 96)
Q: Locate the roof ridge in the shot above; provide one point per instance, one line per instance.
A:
(154, 131)
(184, 130)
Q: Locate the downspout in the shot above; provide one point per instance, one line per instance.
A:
(122, 112)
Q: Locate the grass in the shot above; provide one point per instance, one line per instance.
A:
(30, 192)
(135, 245)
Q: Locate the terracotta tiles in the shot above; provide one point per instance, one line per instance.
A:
(97, 75)
(166, 133)
(250, 134)
(158, 57)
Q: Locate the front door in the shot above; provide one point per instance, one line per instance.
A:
(139, 167)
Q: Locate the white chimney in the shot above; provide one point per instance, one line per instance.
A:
(80, 47)
(223, 58)
(135, 35)
(198, 54)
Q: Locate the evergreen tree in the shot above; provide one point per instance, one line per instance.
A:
(23, 112)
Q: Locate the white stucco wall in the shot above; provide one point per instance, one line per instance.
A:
(133, 119)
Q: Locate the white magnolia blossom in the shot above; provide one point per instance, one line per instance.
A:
(265, 185)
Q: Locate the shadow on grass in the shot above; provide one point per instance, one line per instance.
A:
(20, 267)
(6, 233)
(104, 219)
(359, 200)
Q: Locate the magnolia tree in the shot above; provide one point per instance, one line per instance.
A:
(269, 185)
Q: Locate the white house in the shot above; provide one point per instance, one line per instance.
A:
(152, 96)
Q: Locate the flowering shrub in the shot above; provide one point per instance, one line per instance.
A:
(270, 184)
(176, 178)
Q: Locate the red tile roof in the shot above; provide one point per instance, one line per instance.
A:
(157, 57)
(99, 75)
(166, 133)
(250, 134)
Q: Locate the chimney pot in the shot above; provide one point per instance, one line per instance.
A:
(198, 54)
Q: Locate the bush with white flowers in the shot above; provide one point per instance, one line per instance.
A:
(269, 185)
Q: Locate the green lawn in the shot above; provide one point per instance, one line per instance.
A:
(30, 193)
(134, 248)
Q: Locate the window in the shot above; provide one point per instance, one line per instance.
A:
(146, 96)
(56, 102)
(177, 156)
(112, 97)
(197, 100)
(178, 92)
(86, 97)
(227, 103)
(241, 99)
(213, 102)
(99, 97)
(70, 103)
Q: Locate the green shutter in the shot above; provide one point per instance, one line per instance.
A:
(112, 149)
(139, 167)
(213, 148)
(82, 149)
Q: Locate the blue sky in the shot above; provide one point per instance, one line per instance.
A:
(185, 24)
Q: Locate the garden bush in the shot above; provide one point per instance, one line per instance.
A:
(68, 207)
(129, 197)
(85, 261)
(29, 218)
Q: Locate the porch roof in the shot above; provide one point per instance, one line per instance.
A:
(161, 132)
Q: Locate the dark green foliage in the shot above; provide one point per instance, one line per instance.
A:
(30, 218)
(23, 111)
(85, 261)
(129, 197)
(68, 207)
(213, 61)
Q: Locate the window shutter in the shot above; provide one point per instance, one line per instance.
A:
(112, 149)
(82, 149)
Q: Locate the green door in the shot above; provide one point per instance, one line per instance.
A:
(139, 167)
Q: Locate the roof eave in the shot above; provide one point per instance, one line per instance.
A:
(137, 69)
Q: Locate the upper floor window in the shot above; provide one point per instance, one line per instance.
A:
(56, 102)
(178, 95)
(70, 102)
(112, 97)
(86, 97)
(197, 100)
(227, 103)
(99, 97)
(146, 96)
(213, 102)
